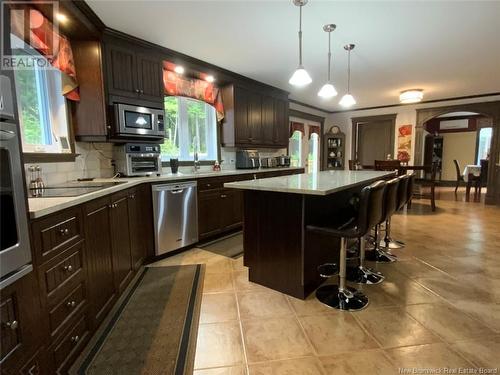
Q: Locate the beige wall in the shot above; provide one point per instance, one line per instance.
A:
(460, 146)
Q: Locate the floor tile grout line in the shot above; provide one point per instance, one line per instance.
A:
(245, 355)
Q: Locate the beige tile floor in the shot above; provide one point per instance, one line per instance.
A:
(439, 307)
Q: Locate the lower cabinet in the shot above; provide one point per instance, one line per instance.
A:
(120, 240)
(20, 329)
(231, 209)
(140, 220)
(100, 279)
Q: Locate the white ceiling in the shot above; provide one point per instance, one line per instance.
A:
(448, 48)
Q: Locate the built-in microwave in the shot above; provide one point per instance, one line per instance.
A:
(139, 122)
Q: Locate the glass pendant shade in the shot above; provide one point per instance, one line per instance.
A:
(327, 91)
(300, 78)
(347, 101)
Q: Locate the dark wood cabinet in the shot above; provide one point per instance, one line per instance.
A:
(209, 209)
(132, 72)
(120, 240)
(20, 327)
(231, 209)
(140, 224)
(99, 259)
(254, 119)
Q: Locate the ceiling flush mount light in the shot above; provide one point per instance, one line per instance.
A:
(210, 78)
(328, 90)
(179, 69)
(348, 100)
(411, 96)
(300, 78)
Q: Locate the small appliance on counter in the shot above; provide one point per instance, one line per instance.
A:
(247, 159)
(283, 161)
(268, 162)
(137, 159)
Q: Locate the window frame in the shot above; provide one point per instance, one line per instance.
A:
(45, 102)
(185, 163)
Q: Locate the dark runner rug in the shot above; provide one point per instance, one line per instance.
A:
(153, 327)
(231, 246)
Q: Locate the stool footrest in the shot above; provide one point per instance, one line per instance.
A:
(328, 270)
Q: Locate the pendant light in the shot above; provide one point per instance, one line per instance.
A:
(348, 100)
(300, 78)
(328, 90)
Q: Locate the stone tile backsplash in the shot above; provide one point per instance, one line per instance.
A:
(94, 161)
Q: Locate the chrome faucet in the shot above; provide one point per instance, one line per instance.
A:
(196, 163)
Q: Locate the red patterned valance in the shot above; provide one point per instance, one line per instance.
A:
(314, 129)
(296, 126)
(177, 85)
(42, 36)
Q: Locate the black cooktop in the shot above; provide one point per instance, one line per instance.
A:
(72, 189)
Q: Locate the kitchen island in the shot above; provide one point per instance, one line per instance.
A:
(278, 251)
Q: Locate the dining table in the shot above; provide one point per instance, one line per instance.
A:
(471, 169)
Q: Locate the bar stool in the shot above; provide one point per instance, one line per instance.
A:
(402, 194)
(369, 213)
(378, 254)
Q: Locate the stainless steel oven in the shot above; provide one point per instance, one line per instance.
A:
(139, 122)
(15, 254)
(137, 159)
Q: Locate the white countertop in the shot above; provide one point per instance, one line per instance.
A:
(320, 183)
(39, 207)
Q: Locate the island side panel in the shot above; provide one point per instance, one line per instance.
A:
(273, 240)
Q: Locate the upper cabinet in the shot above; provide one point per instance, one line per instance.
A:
(254, 118)
(132, 72)
(113, 71)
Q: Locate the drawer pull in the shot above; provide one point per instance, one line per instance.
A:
(68, 268)
(71, 304)
(12, 325)
(223, 196)
(132, 196)
(75, 339)
(208, 185)
(64, 232)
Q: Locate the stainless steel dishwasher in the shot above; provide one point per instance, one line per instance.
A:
(175, 211)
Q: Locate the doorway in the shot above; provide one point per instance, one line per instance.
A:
(304, 145)
(490, 110)
(373, 138)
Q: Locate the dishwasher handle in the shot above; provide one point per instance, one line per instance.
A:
(178, 191)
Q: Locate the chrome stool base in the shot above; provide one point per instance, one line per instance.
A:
(349, 299)
(380, 256)
(393, 244)
(363, 275)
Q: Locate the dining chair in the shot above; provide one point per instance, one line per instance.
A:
(429, 183)
(460, 177)
(387, 165)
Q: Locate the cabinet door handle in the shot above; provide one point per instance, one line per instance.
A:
(223, 196)
(75, 339)
(12, 325)
(132, 196)
(137, 91)
(208, 185)
(142, 91)
(64, 232)
(71, 304)
(68, 268)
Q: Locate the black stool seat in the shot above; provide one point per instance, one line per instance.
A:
(369, 213)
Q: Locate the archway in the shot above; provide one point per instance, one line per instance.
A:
(489, 109)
